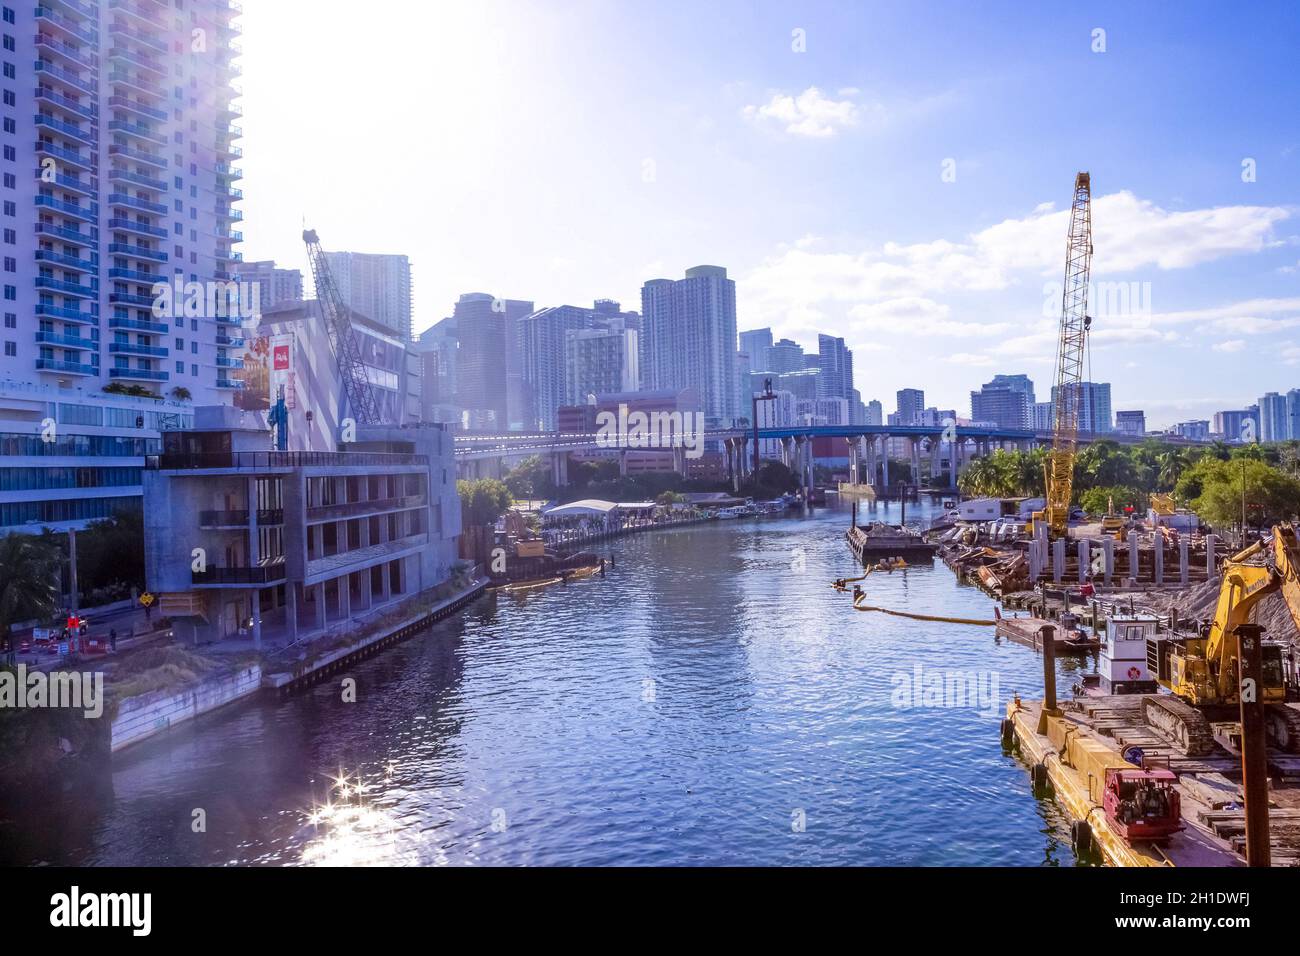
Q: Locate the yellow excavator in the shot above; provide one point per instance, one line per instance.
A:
(1202, 673)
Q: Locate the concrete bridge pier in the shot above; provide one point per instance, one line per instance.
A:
(872, 476)
(916, 460)
(560, 468)
(884, 448)
(853, 460)
(936, 471)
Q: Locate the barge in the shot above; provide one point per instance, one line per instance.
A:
(872, 542)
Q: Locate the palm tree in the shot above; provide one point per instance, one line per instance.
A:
(1171, 466)
(29, 579)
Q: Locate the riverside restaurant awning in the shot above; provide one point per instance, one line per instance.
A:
(587, 508)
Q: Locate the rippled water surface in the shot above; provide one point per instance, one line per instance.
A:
(691, 708)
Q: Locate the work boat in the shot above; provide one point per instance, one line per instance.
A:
(878, 540)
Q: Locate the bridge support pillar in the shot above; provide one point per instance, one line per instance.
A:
(853, 460)
(560, 468)
(870, 441)
(884, 461)
(622, 462)
(916, 461)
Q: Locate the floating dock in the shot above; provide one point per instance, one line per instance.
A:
(1027, 631)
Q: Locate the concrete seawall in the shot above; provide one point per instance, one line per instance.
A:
(140, 718)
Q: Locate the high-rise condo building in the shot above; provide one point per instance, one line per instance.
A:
(755, 344)
(785, 356)
(688, 338)
(1094, 407)
(836, 364)
(911, 403)
(487, 334)
(1274, 422)
(272, 285)
(119, 308)
(378, 286)
(1131, 422)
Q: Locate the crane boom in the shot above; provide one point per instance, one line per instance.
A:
(343, 340)
(1075, 322)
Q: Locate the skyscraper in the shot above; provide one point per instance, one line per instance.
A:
(911, 403)
(785, 356)
(272, 285)
(688, 338)
(875, 413)
(1131, 422)
(117, 144)
(1094, 407)
(755, 343)
(1274, 423)
(600, 361)
(378, 286)
(836, 364)
(486, 359)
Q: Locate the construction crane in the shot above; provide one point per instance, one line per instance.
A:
(343, 340)
(1075, 323)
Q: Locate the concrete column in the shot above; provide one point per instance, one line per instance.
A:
(884, 456)
(1184, 562)
(345, 597)
(1058, 560)
(1160, 560)
(935, 469)
(1211, 543)
(871, 459)
(291, 609)
(853, 460)
(1084, 561)
(385, 584)
(320, 607)
(916, 461)
(1134, 558)
(367, 590)
(1108, 558)
(256, 614)
(622, 462)
(1035, 563)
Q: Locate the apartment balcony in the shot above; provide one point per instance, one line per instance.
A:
(83, 135)
(65, 368)
(231, 341)
(139, 228)
(131, 202)
(61, 23)
(229, 235)
(122, 175)
(230, 384)
(228, 149)
(64, 233)
(230, 109)
(134, 348)
(87, 213)
(141, 13)
(143, 37)
(63, 313)
(139, 60)
(138, 107)
(66, 261)
(255, 576)
(81, 7)
(226, 212)
(51, 96)
(225, 362)
(83, 162)
(135, 276)
(353, 509)
(52, 284)
(128, 298)
(83, 186)
(65, 341)
(139, 82)
(66, 52)
(140, 156)
(140, 252)
(52, 71)
(385, 551)
(217, 520)
(138, 131)
(138, 375)
(138, 325)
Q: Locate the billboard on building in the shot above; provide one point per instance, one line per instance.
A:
(255, 396)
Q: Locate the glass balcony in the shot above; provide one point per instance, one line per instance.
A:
(74, 56)
(62, 232)
(138, 131)
(50, 311)
(140, 60)
(230, 341)
(140, 156)
(121, 175)
(140, 252)
(123, 199)
(47, 94)
(83, 186)
(137, 106)
(80, 161)
(68, 262)
(139, 374)
(129, 298)
(225, 362)
(82, 32)
(87, 213)
(134, 348)
(48, 70)
(140, 82)
(144, 13)
(84, 135)
(65, 341)
(138, 325)
(67, 288)
(141, 228)
(133, 275)
(65, 368)
(231, 384)
(143, 37)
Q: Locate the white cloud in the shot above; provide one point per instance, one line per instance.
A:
(1231, 345)
(810, 113)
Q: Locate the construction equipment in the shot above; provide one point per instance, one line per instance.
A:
(1075, 323)
(1203, 673)
(343, 339)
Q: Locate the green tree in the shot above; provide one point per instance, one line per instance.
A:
(1103, 463)
(1097, 501)
(531, 478)
(484, 500)
(29, 579)
(1270, 494)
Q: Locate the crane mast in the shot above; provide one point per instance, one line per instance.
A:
(1069, 359)
(343, 340)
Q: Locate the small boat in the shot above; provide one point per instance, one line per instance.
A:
(725, 513)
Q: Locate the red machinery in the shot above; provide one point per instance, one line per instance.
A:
(1142, 804)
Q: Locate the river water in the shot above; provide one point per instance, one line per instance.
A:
(711, 701)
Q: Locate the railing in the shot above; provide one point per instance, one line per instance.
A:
(65, 341)
(136, 325)
(239, 519)
(130, 225)
(140, 156)
(68, 262)
(126, 103)
(262, 574)
(129, 249)
(179, 461)
(49, 229)
(139, 374)
(68, 208)
(349, 508)
(71, 368)
(67, 76)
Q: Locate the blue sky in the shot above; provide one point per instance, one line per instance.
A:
(564, 152)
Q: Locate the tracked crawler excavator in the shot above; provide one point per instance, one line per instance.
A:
(1202, 673)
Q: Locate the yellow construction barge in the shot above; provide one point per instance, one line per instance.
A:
(1074, 759)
